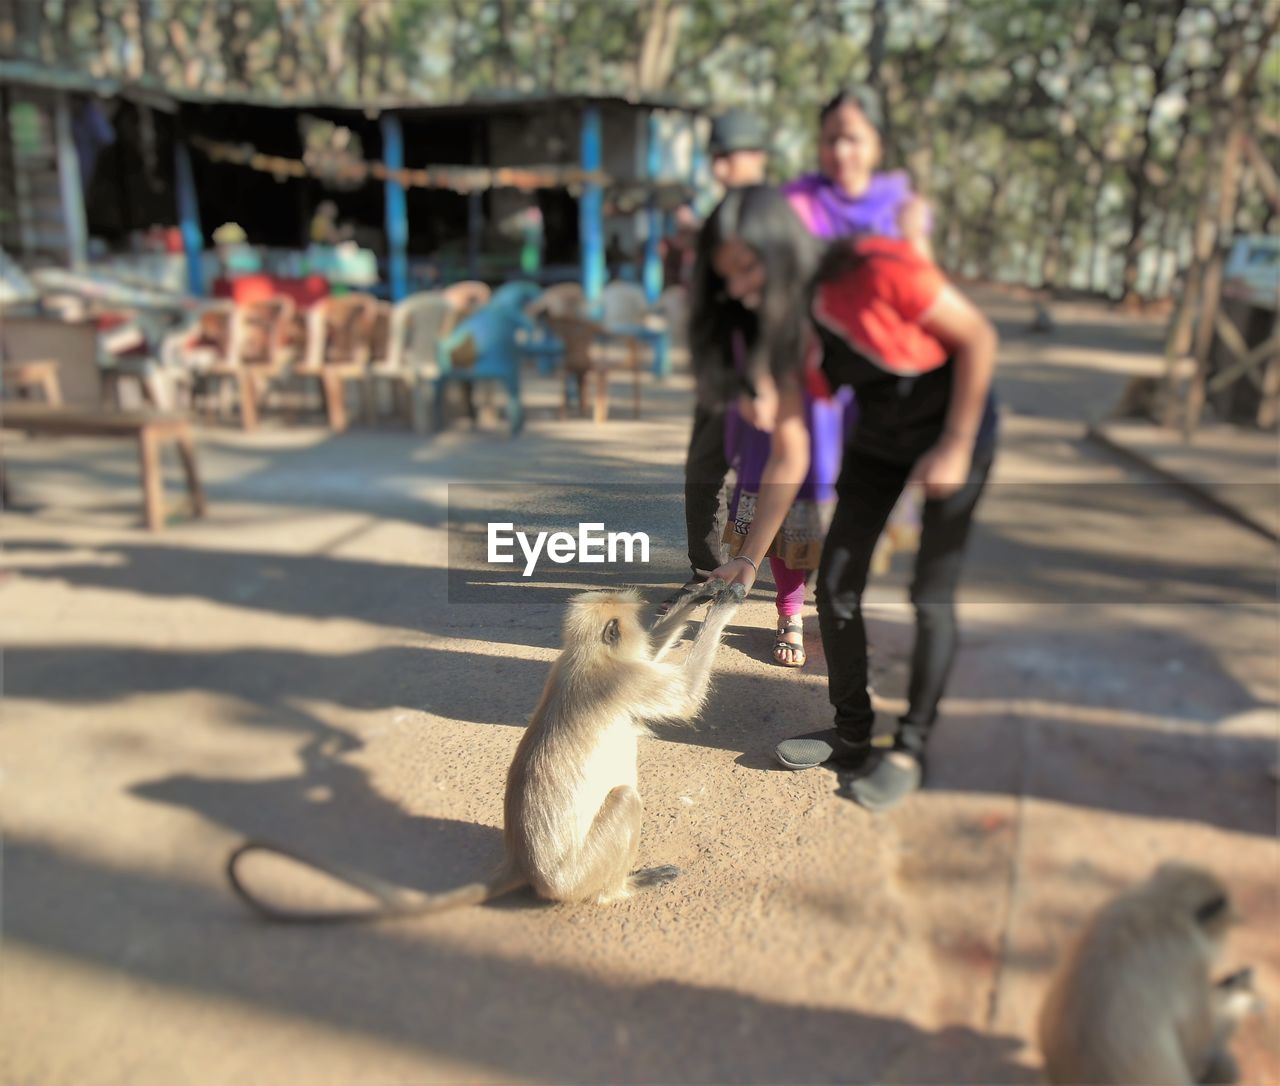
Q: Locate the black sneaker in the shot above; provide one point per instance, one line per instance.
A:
(821, 748)
(891, 776)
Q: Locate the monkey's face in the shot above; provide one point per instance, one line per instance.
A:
(1201, 894)
(608, 622)
(623, 634)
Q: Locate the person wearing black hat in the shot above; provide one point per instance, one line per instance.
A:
(738, 149)
(738, 159)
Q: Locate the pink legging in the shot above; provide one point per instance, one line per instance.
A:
(790, 584)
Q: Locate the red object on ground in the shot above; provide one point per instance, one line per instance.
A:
(122, 347)
(255, 288)
(104, 322)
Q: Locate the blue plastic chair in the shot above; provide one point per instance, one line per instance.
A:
(519, 292)
(489, 337)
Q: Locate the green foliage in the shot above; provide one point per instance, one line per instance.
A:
(1082, 121)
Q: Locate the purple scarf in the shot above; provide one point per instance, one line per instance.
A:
(830, 214)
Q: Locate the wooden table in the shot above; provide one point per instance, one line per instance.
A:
(151, 429)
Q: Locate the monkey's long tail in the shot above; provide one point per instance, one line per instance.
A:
(390, 900)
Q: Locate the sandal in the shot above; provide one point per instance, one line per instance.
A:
(686, 589)
(789, 653)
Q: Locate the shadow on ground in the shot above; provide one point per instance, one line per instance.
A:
(1164, 770)
(533, 1021)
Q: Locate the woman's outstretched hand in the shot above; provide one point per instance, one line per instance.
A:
(943, 469)
(735, 571)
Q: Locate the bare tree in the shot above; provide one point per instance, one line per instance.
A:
(658, 46)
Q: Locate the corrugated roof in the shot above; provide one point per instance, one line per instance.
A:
(31, 74)
(26, 73)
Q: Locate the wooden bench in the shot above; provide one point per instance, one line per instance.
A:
(153, 430)
(39, 377)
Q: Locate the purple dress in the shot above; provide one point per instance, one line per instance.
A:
(829, 214)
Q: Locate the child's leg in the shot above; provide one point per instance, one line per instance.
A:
(704, 473)
(943, 537)
(790, 587)
(868, 489)
(788, 649)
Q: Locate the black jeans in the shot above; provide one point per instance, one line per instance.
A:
(868, 490)
(705, 498)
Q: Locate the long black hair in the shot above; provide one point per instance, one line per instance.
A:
(775, 334)
(863, 99)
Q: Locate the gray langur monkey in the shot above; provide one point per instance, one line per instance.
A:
(572, 811)
(1134, 1002)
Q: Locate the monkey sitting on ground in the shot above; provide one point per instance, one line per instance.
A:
(1134, 1003)
(572, 812)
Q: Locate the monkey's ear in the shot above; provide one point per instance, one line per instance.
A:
(1212, 909)
(612, 632)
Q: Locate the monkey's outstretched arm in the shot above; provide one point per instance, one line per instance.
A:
(678, 693)
(668, 629)
(697, 667)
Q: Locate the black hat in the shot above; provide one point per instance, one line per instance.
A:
(737, 130)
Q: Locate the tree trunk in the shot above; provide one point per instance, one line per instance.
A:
(988, 259)
(1231, 91)
(876, 46)
(21, 22)
(506, 67)
(1178, 337)
(227, 40)
(1139, 210)
(1170, 247)
(360, 47)
(1211, 287)
(1095, 238)
(455, 48)
(101, 36)
(658, 47)
(9, 27)
(1137, 224)
(1160, 221)
(1051, 265)
(946, 229)
(289, 57)
(206, 47)
(383, 23)
(876, 55)
(919, 159)
(822, 54)
(66, 45)
(558, 42)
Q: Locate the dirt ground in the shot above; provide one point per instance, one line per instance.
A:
(296, 666)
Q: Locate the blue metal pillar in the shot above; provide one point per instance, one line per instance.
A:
(189, 218)
(396, 210)
(697, 163)
(652, 251)
(591, 210)
(658, 338)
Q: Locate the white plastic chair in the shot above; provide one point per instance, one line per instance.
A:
(409, 360)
